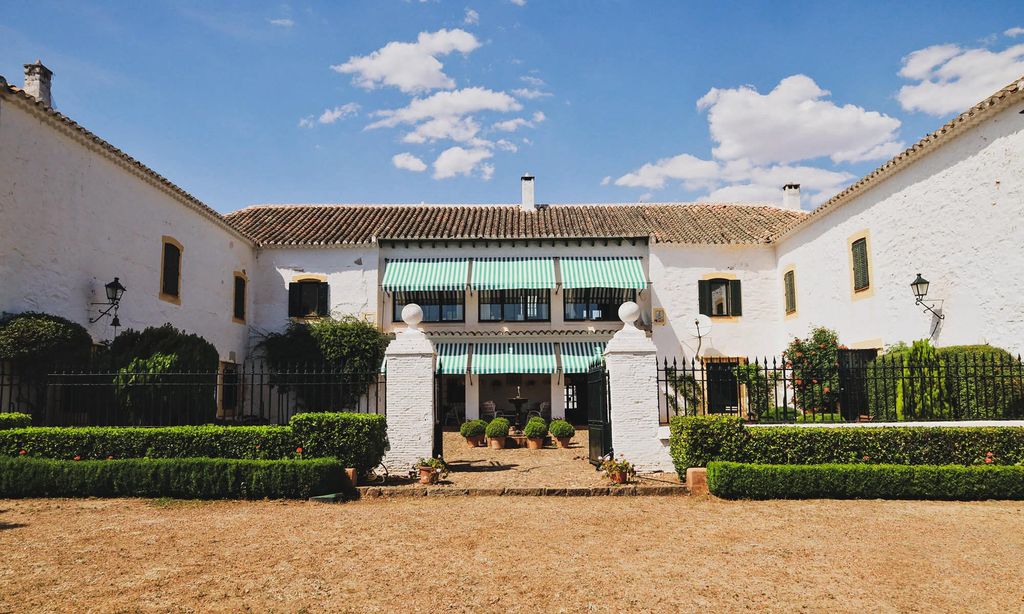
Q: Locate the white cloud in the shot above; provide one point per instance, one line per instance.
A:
(529, 94)
(329, 116)
(511, 125)
(307, 122)
(409, 162)
(284, 23)
(458, 161)
(518, 2)
(538, 117)
(504, 145)
(472, 18)
(951, 79)
(447, 104)
(684, 167)
(1015, 31)
(793, 122)
(532, 81)
(460, 129)
(607, 180)
(411, 67)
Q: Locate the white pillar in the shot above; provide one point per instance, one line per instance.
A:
(472, 397)
(633, 378)
(410, 394)
(557, 396)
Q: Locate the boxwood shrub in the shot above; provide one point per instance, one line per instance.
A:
(498, 428)
(357, 440)
(697, 441)
(863, 481)
(13, 420)
(473, 428)
(182, 478)
(535, 427)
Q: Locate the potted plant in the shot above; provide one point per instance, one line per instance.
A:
(562, 431)
(618, 471)
(473, 431)
(431, 470)
(535, 431)
(496, 432)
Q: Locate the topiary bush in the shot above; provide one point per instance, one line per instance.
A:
(14, 420)
(473, 428)
(498, 428)
(535, 427)
(36, 343)
(843, 481)
(183, 478)
(561, 428)
(357, 440)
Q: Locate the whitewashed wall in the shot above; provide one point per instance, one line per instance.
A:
(71, 219)
(956, 216)
(675, 271)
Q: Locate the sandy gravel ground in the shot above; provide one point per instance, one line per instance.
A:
(498, 554)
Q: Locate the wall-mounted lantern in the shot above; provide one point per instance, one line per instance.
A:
(920, 288)
(114, 291)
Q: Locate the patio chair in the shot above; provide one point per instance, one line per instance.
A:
(488, 410)
(545, 410)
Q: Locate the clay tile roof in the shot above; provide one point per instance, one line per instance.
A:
(695, 223)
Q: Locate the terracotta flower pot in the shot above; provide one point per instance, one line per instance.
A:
(474, 441)
(618, 477)
(534, 443)
(352, 476)
(496, 443)
(563, 442)
(428, 475)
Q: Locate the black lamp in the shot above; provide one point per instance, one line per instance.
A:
(114, 291)
(920, 289)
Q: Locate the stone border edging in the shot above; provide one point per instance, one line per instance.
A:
(378, 492)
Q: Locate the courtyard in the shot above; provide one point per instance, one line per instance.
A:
(605, 554)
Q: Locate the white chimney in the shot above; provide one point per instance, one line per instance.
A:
(37, 82)
(529, 205)
(791, 196)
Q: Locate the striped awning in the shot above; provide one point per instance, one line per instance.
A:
(452, 358)
(507, 357)
(580, 356)
(603, 272)
(413, 274)
(510, 273)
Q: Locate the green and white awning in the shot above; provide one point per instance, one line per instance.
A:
(603, 272)
(513, 273)
(452, 358)
(580, 356)
(412, 274)
(506, 357)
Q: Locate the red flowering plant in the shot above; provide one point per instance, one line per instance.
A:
(813, 365)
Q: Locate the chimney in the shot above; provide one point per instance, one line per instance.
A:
(37, 82)
(791, 196)
(528, 205)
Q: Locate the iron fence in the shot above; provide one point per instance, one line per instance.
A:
(252, 393)
(856, 389)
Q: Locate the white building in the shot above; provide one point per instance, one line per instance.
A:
(523, 296)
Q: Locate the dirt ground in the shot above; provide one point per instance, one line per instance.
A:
(500, 554)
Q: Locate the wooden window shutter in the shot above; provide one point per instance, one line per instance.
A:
(790, 283)
(323, 306)
(735, 298)
(239, 298)
(704, 296)
(172, 270)
(860, 264)
(295, 300)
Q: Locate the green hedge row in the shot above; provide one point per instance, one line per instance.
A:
(697, 441)
(832, 481)
(356, 440)
(13, 420)
(181, 478)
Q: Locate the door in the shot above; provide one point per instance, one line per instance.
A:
(599, 419)
(576, 399)
(438, 449)
(853, 382)
(723, 389)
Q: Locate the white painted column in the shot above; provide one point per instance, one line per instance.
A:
(633, 379)
(557, 396)
(472, 397)
(410, 394)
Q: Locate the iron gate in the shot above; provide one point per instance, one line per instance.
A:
(599, 417)
(439, 401)
(853, 383)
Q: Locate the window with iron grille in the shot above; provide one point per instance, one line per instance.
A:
(596, 304)
(861, 276)
(308, 298)
(789, 280)
(720, 297)
(515, 305)
(439, 306)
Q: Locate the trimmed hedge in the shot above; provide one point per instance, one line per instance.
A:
(181, 478)
(698, 441)
(833, 481)
(356, 440)
(13, 420)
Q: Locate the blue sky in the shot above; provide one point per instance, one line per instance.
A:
(443, 101)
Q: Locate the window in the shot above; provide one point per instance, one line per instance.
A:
(515, 305)
(861, 275)
(238, 312)
(170, 270)
(308, 298)
(789, 281)
(437, 306)
(720, 297)
(600, 304)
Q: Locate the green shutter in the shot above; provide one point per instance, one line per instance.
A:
(861, 279)
(789, 280)
(323, 304)
(704, 296)
(295, 300)
(735, 298)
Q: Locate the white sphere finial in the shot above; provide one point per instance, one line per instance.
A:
(412, 315)
(629, 312)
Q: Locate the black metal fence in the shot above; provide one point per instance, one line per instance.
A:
(253, 393)
(883, 389)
